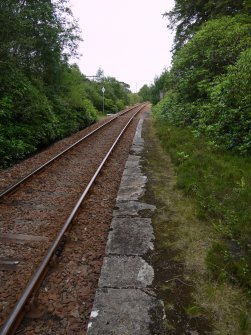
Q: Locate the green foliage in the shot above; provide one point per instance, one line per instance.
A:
(194, 311)
(210, 84)
(37, 35)
(116, 94)
(188, 16)
(134, 98)
(42, 97)
(145, 93)
(24, 117)
(165, 109)
(244, 323)
(220, 184)
(216, 45)
(226, 119)
(224, 262)
(29, 119)
(219, 261)
(160, 86)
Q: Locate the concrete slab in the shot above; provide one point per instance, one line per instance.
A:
(133, 179)
(125, 272)
(139, 142)
(129, 171)
(138, 132)
(137, 147)
(121, 312)
(133, 209)
(130, 236)
(130, 193)
(132, 161)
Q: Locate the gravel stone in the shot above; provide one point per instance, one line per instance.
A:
(85, 244)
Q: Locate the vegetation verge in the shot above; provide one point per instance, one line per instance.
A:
(220, 185)
(187, 233)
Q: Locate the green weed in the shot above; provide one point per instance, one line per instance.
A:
(220, 185)
(194, 311)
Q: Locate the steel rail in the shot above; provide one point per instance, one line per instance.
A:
(41, 167)
(15, 318)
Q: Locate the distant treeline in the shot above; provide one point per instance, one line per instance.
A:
(42, 97)
(208, 87)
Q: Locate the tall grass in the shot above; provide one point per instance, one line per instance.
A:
(220, 185)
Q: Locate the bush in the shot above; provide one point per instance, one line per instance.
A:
(211, 80)
(30, 120)
(226, 119)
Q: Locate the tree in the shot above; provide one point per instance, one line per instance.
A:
(145, 93)
(100, 74)
(227, 117)
(210, 83)
(117, 94)
(42, 97)
(160, 86)
(216, 45)
(37, 36)
(188, 16)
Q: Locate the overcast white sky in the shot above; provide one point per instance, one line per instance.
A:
(128, 39)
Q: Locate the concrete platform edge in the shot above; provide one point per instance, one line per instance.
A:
(125, 301)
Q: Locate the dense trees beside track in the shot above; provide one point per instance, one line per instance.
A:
(42, 97)
(209, 84)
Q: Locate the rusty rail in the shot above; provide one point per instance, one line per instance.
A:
(13, 187)
(18, 311)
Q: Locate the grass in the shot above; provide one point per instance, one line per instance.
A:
(100, 115)
(219, 183)
(187, 235)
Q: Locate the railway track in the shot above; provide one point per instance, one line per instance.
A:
(37, 213)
